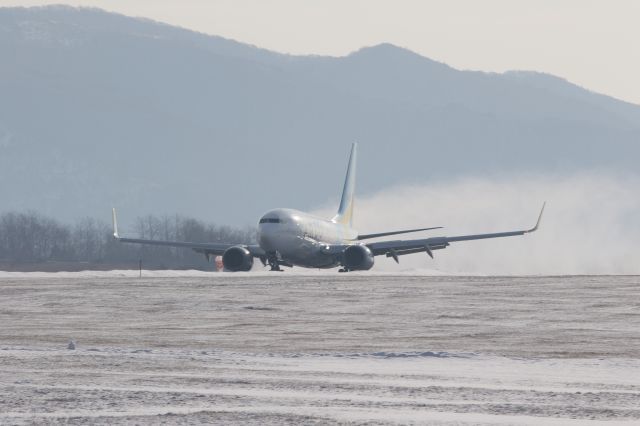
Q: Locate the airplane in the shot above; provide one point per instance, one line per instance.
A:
(288, 237)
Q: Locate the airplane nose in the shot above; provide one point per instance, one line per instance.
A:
(265, 238)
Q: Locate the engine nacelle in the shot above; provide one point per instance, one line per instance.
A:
(357, 258)
(237, 259)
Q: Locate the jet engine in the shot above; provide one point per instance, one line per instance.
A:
(237, 259)
(357, 258)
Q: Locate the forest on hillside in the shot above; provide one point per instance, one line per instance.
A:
(32, 241)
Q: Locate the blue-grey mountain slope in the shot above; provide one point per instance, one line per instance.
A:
(98, 109)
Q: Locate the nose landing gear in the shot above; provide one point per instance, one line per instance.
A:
(273, 261)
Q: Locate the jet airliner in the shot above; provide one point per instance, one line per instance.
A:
(290, 238)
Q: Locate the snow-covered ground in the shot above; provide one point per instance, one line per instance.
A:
(278, 348)
(258, 271)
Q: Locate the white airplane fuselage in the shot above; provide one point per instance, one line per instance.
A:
(301, 238)
(293, 238)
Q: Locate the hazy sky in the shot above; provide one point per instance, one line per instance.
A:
(591, 43)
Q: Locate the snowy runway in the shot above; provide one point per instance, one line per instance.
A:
(320, 349)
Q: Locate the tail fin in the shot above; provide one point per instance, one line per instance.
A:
(345, 211)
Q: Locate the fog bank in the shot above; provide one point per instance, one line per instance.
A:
(590, 225)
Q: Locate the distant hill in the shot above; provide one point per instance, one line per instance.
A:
(99, 109)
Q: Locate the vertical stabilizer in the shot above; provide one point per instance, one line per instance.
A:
(345, 211)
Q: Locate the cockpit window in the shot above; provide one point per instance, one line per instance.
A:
(270, 220)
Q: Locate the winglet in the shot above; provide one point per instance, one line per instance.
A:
(535, 228)
(115, 224)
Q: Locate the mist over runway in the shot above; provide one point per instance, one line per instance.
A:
(320, 348)
(589, 225)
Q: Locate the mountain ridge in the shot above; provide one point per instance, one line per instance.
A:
(154, 118)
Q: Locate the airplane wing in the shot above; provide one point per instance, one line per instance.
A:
(401, 247)
(204, 248)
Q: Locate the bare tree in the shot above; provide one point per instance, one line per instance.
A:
(30, 238)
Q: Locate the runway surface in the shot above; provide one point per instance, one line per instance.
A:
(320, 348)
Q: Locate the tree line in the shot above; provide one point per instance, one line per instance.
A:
(30, 238)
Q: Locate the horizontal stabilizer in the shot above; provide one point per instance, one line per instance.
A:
(385, 234)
